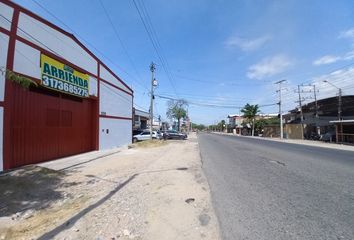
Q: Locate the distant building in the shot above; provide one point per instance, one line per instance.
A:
(235, 123)
(235, 120)
(267, 115)
(141, 119)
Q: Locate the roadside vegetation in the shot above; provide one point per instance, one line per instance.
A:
(149, 143)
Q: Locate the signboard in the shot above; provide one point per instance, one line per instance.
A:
(60, 77)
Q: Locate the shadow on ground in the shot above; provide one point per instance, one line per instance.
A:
(73, 219)
(27, 188)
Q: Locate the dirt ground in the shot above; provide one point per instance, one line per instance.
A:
(149, 191)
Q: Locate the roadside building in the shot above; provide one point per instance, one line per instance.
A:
(235, 123)
(266, 116)
(141, 119)
(74, 104)
(321, 117)
(238, 125)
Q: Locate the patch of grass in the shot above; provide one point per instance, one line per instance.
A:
(150, 143)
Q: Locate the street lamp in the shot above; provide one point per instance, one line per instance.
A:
(339, 107)
(339, 99)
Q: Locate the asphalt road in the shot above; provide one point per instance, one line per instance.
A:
(272, 190)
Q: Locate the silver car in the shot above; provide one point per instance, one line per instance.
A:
(145, 135)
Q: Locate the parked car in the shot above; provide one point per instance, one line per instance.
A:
(138, 131)
(145, 135)
(172, 134)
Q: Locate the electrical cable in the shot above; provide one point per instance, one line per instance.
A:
(155, 46)
(119, 39)
(88, 43)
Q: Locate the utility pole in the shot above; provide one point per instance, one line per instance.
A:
(318, 128)
(315, 96)
(300, 104)
(152, 69)
(301, 113)
(339, 111)
(280, 111)
(339, 104)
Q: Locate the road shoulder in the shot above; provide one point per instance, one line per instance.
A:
(138, 193)
(299, 142)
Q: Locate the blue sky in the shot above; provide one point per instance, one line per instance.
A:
(220, 53)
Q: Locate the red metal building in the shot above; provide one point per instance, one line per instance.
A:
(78, 105)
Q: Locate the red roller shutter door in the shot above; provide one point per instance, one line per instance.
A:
(48, 125)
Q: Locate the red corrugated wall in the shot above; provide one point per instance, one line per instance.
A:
(48, 125)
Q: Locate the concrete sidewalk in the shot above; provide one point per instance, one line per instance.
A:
(144, 192)
(66, 163)
(301, 142)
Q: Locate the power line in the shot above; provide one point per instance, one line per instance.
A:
(119, 39)
(88, 43)
(208, 97)
(155, 44)
(210, 104)
(216, 82)
(35, 39)
(146, 13)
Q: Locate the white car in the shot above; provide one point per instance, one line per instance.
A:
(145, 135)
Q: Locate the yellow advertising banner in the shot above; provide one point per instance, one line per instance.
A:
(60, 77)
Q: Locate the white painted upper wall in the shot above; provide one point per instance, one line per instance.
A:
(4, 45)
(114, 102)
(1, 136)
(93, 86)
(6, 13)
(106, 75)
(55, 42)
(114, 133)
(27, 60)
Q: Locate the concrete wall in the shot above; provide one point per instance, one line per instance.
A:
(27, 60)
(55, 42)
(119, 132)
(293, 131)
(7, 12)
(106, 75)
(93, 86)
(271, 131)
(115, 104)
(1, 138)
(4, 44)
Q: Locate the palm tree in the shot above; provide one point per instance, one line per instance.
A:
(177, 110)
(250, 112)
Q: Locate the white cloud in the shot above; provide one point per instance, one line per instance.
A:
(342, 79)
(349, 55)
(347, 34)
(268, 67)
(247, 44)
(327, 59)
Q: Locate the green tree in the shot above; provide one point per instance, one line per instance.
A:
(250, 112)
(198, 126)
(261, 123)
(221, 125)
(176, 109)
